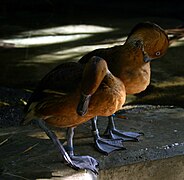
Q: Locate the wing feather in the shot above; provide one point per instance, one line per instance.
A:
(61, 80)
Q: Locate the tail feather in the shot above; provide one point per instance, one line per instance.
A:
(29, 115)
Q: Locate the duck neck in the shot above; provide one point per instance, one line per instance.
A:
(128, 58)
(94, 72)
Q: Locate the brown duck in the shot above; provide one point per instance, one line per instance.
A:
(63, 96)
(130, 63)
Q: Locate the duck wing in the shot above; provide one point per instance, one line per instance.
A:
(61, 80)
(98, 52)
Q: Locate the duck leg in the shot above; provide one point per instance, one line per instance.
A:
(105, 145)
(114, 133)
(82, 162)
(73, 161)
(57, 143)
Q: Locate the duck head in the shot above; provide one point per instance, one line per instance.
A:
(93, 74)
(151, 38)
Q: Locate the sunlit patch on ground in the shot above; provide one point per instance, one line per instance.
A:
(35, 52)
(55, 35)
(71, 54)
(43, 40)
(178, 43)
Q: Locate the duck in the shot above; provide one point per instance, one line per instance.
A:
(129, 62)
(72, 94)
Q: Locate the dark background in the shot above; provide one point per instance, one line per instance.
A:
(41, 13)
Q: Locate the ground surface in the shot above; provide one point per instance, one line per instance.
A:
(27, 153)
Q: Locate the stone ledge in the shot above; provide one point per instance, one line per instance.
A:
(27, 152)
(163, 169)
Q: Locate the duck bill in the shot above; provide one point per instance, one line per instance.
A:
(82, 107)
(147, 59)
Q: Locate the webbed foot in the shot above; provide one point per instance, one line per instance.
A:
(125, 136)
(84, 162)
(119, 134)
(107, 146)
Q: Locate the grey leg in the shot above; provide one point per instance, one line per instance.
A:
(115, 134)
(105, 145)
(57, 143)
(82, 162)
(76, 162)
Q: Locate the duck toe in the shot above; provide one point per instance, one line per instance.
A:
(85, 162)
(107, 146)
(125, 136)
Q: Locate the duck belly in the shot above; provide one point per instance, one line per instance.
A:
(136, 80)
(61, 111)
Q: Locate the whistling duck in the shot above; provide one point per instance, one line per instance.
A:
(72, 94)
(131, 63)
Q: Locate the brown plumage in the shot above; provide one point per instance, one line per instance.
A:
(56, 99)
(130, 63)
(69, 92)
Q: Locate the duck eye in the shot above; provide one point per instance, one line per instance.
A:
(157, 53)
